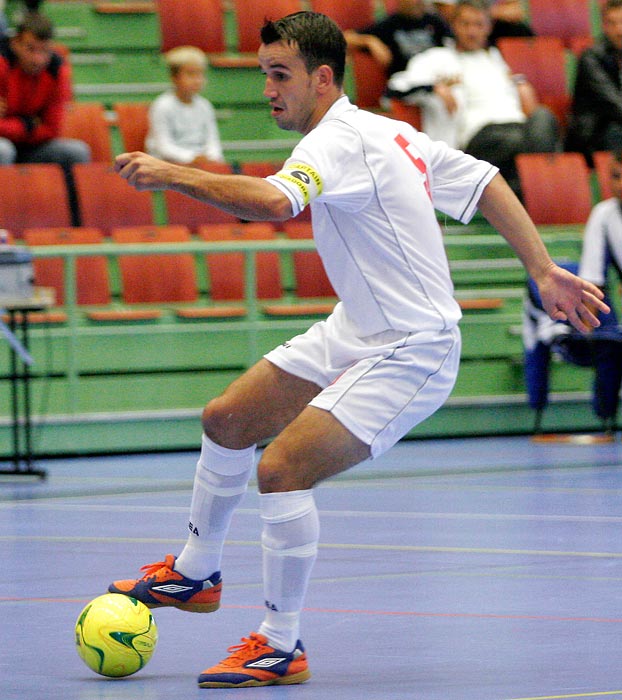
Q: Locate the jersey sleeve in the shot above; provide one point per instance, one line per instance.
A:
(458, 181)
(326, 165)
(301, 183)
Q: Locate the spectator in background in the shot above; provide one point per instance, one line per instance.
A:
(602, 239)
(508, 18)
(182, 123)
(399, 36)
(4, 26)
(471, 101)
(602, 253)
(34, 84)
(596, 114)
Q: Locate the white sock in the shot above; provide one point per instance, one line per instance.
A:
(289, 540)
(219, 485)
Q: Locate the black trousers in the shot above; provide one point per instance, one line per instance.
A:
(499, 144)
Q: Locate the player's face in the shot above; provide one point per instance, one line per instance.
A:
(612, 26)
(615, 178)
(289, 87)
(188, 82)
(33, 55)
(471, 28)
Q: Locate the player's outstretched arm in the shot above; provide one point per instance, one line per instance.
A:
(564, 295)
(251, 198)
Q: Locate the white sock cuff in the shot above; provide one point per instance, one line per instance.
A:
(224, 460)
(281, 507)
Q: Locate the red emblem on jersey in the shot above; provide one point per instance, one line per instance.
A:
(406, 146)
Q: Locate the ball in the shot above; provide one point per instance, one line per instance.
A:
(115, 635)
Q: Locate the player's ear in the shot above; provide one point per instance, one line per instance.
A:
(324, 77)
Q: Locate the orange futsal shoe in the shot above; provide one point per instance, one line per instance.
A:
(254, 663)
(162, 586)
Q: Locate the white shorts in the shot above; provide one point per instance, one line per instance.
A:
(380, 386)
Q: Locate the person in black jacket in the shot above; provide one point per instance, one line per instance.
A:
(596, 114)
(399, 36)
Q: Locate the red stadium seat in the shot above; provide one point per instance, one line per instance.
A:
(370, 79)
(92, 282)
(563, 18)
(602, 166)
(158, 278)
(250, 17)
(87, 121)
(226, 270)
(133, 124)
(40, 199)
(355, 14)
(192, 213)
(311, 279)
(197, 23)
(542, 59)
(556, 187)
(107, 200)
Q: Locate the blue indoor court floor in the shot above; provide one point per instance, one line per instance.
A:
(476, 569)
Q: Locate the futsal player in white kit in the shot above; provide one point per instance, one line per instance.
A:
(354, 384)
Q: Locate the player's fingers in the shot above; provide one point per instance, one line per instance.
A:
(592, 289)
(575, 320)
(121, 161)
(594, 301)
(588, 317)
(583, 318)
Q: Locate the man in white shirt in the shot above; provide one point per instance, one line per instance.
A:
(351, 386)
(471, 101)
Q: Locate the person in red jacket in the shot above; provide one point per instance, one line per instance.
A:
(34, 88)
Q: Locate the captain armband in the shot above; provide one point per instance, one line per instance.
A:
(304, 178)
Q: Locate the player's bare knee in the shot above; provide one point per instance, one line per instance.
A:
(276, 474)
(220, 424)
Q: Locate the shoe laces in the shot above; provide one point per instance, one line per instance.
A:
(152, 569)
(249, 648)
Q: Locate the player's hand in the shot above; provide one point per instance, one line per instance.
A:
(445, 93)
(144, 172)
(566, 297)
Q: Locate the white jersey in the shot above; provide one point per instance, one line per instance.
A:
(180, 132)
(373, 184)
(602, 241)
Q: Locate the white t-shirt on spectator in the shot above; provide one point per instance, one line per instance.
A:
(180, 132)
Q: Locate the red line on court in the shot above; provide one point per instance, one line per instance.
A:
(408, 613)
(354, 611)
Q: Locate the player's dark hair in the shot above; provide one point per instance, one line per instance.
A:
(318, 38)
(610, 5)
(37, 24)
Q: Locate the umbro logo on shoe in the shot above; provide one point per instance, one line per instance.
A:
(267, 662)
(171, 588)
